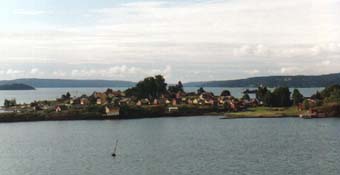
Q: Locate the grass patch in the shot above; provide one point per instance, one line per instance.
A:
(265, 112)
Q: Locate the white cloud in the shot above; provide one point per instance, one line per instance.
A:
(13, 72)
(252, 72)
(34, 71)
(326, 62)
(29, 12)
(291, 70)
(254, 50)
(117, 72)
(267, 36)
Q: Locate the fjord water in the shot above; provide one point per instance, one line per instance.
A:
(53, 93)
(172, 146)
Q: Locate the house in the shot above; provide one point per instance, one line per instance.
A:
(173, 109)
(112, 111)
(58, 109)
(167, 101)
(162, 101)
(250, 103)
(111, 93)
(206, 96)
(210, 102)
(189, 102)
(232, 106)
(145, 101)
(37, 108)
(84, 101)
(101, 98)
(72, 101)
(99, 101)
(180, 94)
(125, 101)
(174, 102)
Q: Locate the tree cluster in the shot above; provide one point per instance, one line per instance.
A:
(10, 103)
(176, 88)
(66, 96)
(331, 94)
(150, 87)
(280, 97)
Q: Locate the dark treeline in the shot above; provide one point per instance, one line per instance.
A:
(16, 87)
(282, 97)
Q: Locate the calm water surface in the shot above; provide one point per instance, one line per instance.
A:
(172, 146)
(53, 93)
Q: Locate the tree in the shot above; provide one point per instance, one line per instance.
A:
(160, 85)
(334, 96)
(180, 85)
(268, 99)
(281, 97)
(66, 96)
(297, 97)
(261, 92)
(306, 104)
(109, 99)
(108, 91)
(200, 91)
(10, 103)
(317, 96)
(150, 87)
(177, 88)
(246, 97)
(327, 91)
(225, 93)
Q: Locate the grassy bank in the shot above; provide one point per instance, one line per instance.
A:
(264, 112)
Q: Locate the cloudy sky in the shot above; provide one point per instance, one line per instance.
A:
(184, 40)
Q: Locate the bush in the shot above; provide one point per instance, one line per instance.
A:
(10, 103)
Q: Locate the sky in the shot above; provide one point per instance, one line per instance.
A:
(192, 40)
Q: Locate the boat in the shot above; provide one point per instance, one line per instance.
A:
(114, 154)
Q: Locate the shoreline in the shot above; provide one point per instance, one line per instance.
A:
(14, 117)
(149, 112)
(263, 117)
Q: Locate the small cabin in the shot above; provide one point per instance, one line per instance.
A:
(84, 101)
(99, 101)
(112, 111)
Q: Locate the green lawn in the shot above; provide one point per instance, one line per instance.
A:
(264, 112)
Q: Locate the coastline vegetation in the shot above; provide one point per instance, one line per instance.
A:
(265, 112)
(16, 86)
(152, 97)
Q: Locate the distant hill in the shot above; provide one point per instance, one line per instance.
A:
(60, 83)
(274, 81)
(16, 87)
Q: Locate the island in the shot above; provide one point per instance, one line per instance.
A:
(153, 97)
(16, 87)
